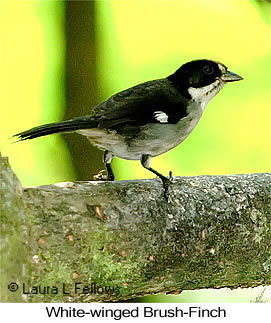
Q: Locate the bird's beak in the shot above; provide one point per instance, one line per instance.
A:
(230, 77)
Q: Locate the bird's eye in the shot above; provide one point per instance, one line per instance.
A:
(208, 69)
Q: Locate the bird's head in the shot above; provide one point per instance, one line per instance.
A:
(202, 79)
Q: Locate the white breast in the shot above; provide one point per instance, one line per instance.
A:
(203, 95)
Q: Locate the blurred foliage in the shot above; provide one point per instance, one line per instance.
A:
(264, 8)
(32, 64)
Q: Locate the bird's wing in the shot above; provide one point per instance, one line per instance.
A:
(151, 102)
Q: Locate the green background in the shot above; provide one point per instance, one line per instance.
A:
(138, 41)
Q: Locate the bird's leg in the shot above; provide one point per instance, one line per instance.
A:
(108, 156)
(145, 162)
(110, 175)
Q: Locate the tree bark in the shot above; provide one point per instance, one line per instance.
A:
(111, 241)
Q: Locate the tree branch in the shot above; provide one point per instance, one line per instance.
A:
(104, 241)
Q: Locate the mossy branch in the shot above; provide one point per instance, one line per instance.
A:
(103, 241)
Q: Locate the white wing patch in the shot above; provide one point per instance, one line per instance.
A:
(161, 116)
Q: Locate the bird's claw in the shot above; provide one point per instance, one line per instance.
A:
(102, 177)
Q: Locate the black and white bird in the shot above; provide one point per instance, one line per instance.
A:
(148, 119)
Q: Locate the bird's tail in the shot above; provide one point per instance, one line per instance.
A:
(51, 128)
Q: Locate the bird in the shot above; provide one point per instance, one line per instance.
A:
(148, 119)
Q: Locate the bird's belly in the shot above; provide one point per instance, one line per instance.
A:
(157, 140)
(153, 140)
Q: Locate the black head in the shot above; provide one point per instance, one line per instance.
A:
(198, 73)
(201, 73)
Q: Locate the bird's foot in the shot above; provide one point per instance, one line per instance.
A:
(101, 176)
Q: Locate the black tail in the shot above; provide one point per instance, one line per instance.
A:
(64, 126)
